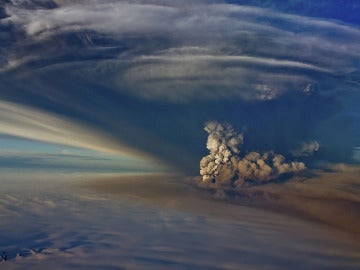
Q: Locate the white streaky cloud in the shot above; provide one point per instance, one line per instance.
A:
(177, 84)
(106, 17)
(25, 122)
(235, 59)
(313, 24)
(13, 63)
(67, 2)
(215, 50)
(143, 17)
(207, 79)
(212, 22)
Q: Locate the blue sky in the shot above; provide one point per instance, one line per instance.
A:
(134, 83)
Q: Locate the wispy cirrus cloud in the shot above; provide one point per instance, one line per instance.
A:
(29, 123)
(240, 44)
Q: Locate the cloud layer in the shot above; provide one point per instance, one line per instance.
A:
(64, 224)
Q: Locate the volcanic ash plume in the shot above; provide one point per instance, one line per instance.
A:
(224, 166)
(223, 145)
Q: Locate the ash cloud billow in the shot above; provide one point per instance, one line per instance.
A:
(223, 144)
(307, 149)
(227, 167)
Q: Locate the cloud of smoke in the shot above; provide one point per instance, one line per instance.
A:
(225, 166)
(223, 144)
(307, 149)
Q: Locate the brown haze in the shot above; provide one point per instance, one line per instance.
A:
(330, 197)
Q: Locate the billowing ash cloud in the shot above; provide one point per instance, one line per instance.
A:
(307, 149)
(223, 145)
(225, 166)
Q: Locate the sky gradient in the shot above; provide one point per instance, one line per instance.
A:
(145, 77)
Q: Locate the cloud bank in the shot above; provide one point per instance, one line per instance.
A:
(71, 222)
